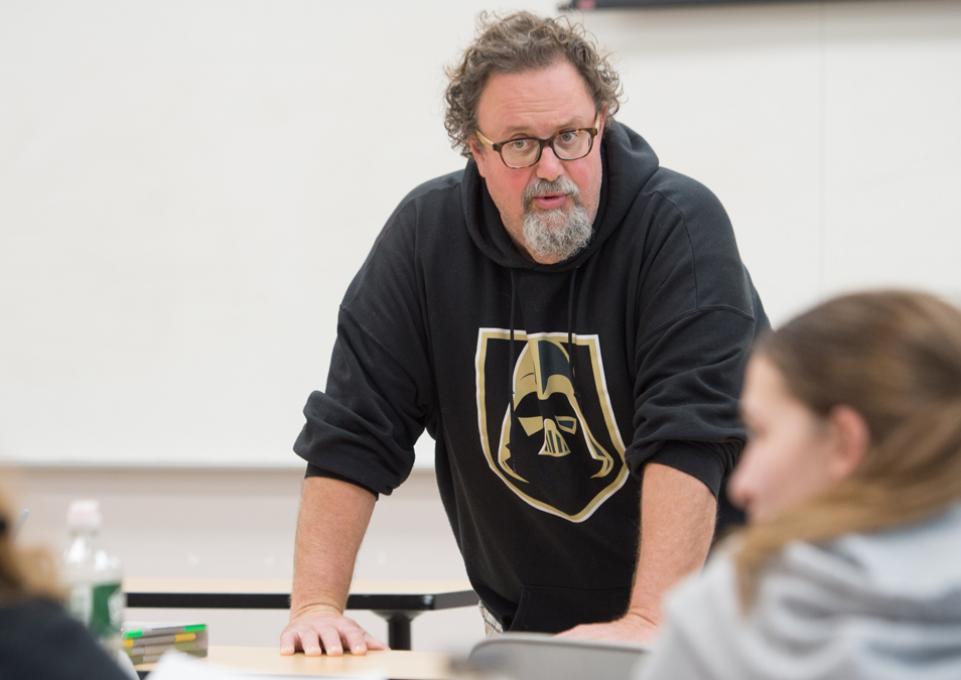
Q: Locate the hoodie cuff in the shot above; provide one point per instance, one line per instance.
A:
(315, 471)
(703, 461)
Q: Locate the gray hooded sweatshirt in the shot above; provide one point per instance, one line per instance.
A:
(866, 606)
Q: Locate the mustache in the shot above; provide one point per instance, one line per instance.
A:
(540, 187)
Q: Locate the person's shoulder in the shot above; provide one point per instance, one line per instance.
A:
(689, 198)
(821, 575)
(32, 613)
(421, 223)
(437, 191)
(688, 239)
(686, 216)
(30, 629)
(426, 209)
(884, 562)
(707, 597)
(703, 611)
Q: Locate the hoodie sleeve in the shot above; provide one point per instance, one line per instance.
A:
(696, 323)
(363, 426)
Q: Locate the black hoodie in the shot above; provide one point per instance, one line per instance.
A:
(633, 350)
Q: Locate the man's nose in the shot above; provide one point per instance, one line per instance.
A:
(549, 167)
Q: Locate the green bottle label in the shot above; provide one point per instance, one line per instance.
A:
(106, 614)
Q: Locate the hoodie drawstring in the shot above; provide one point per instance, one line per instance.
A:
(570, 329)
(510, 362)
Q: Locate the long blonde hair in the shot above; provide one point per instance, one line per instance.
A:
(24, 573)
(895, 358)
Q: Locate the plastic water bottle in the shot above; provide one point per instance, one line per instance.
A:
(94, 591)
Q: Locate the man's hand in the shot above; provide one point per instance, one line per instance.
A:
(333, 517)
(322, 628)
(631, 627)
(675, 537)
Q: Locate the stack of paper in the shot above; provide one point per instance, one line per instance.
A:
(146, 643)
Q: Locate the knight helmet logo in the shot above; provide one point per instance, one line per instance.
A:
(557, 449)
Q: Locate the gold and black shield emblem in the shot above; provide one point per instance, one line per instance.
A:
(555, 445)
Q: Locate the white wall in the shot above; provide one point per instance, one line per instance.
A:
(138, 138)
(189, 186)
(829, 130)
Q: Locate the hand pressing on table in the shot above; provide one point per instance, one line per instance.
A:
(320, 629)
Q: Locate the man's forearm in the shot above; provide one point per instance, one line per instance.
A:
(678, 513)
(330, 527)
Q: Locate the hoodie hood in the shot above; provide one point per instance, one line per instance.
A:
(906, 574)
(627, 162)
(877, 606)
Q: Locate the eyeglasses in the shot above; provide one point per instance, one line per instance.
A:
(523, 152)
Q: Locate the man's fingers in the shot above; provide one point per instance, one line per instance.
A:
(288, 642)
(374, 643)
(329, 635)
(355, 636)
(330, 638)
(309, 642)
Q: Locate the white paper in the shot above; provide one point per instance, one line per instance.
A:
(179, 666)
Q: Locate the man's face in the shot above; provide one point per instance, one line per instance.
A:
(561, 196)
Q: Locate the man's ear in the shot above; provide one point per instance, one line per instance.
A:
(477, 152)
(852, 438)
(602, 125)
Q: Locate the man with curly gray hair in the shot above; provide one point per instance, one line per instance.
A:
(570, 322)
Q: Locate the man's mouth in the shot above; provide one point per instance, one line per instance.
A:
(550, 201)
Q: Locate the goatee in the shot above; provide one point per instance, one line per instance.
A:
(557, 234)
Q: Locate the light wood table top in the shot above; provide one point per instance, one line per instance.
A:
(401, 665)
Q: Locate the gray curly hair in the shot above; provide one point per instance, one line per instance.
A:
(519, 42)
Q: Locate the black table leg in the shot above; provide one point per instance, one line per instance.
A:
(398, 627)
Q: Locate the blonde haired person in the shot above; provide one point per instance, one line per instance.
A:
(37, 637)
(851, 565)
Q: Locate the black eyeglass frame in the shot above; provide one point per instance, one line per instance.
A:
(497, 146)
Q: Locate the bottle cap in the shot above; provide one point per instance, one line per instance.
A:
(84, 514)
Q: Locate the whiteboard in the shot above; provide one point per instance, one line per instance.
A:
(189, 186)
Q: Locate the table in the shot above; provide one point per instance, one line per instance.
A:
(394, 664)
(398, 602)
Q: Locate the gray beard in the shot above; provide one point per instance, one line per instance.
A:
(556, 234)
